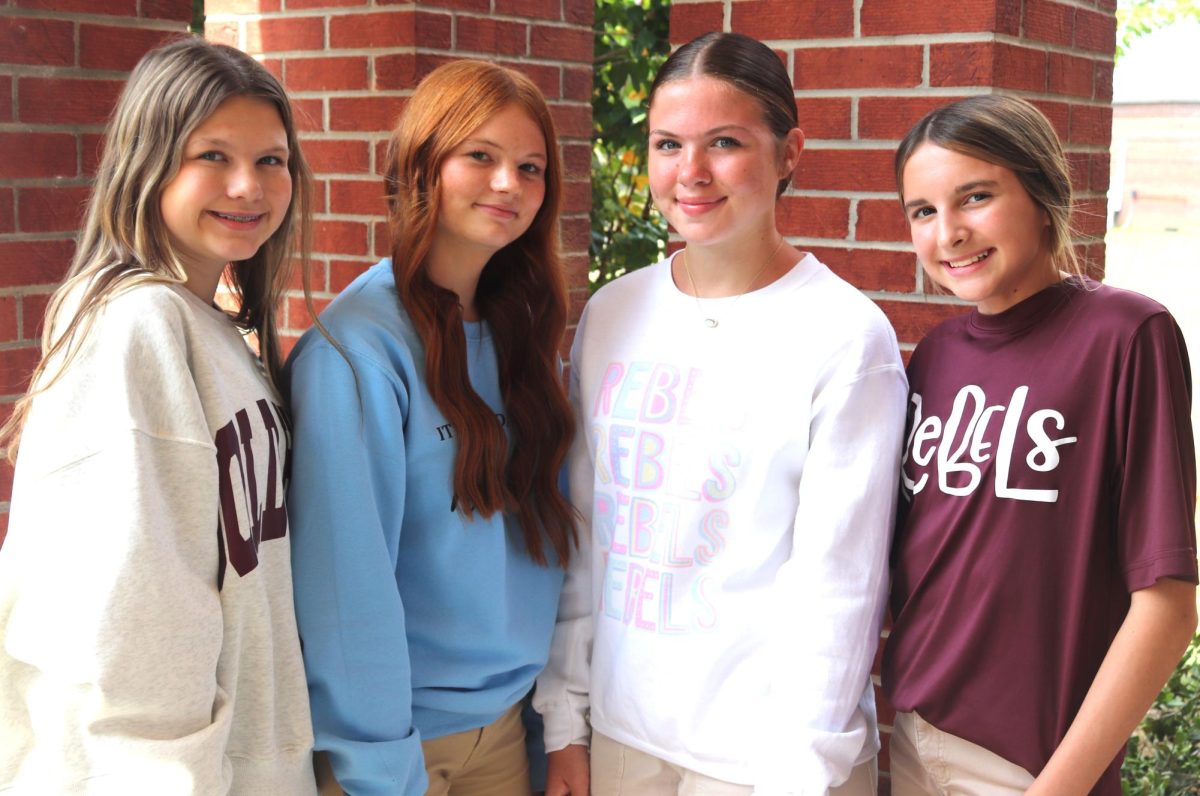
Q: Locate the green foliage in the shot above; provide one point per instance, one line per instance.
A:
(1163, 757)
(631, 43)
(1138, 17)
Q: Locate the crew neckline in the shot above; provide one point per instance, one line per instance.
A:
(1030, 311)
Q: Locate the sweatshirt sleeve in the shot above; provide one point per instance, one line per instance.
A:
(110, 606)
(831, 592)
(346, 504)
(563, 689)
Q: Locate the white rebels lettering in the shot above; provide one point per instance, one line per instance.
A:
(960, 444)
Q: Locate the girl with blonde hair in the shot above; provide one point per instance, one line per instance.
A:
(430, 532)
(145, 585)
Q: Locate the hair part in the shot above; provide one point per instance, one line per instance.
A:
(124, 242)
(521, 294)
(744, 63)
(1006, 131)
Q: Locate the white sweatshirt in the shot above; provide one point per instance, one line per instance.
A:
(739, 484)
(150, 644)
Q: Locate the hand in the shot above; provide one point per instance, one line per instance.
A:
(567, 771)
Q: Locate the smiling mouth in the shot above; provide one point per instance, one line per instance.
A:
(697, 206)
(238, 218)
(969, 261)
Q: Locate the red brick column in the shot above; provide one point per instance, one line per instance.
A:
(62, 64)
(350, 64)
(866, 71)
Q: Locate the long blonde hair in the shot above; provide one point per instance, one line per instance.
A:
(521, 294)
(124, 242)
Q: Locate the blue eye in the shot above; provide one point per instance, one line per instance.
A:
(273, 160)
(922, 212)
(531, 168)
(210, 156)
(665, 144)
(725, 142)
(979, 196)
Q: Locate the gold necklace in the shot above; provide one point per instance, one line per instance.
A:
(713, 323)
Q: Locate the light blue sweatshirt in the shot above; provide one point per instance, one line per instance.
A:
(415, 621)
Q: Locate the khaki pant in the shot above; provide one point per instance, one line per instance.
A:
(620, 770)
(489, 761)
(928, 762)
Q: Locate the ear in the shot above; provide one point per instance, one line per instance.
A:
(793, 145)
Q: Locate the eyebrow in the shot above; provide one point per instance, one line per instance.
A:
(494, 145)
(966, 187)
(222, 143)
(706, 133)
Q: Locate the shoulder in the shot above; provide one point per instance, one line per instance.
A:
(366, 317)
(644, 283)
(138, 329)
(854, 325)
(368, 325)
(1122, 310)
(837, 297)
(148, 305)
(133, 370)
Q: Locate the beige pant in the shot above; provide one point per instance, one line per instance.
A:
(928, 762)
(489, 761)
(618, 770)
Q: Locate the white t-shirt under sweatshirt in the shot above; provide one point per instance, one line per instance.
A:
(738, 484)
(150, 643)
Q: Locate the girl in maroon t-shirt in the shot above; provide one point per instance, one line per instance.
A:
(1045, 558)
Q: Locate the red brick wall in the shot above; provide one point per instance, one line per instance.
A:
(866, 71)
(350, 64)
(62, 63)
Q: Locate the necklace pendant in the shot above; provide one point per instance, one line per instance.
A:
(711, 323)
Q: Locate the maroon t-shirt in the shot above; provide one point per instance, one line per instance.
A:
(1049, 471)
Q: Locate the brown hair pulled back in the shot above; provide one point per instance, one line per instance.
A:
(1005, 131)
(746, 64)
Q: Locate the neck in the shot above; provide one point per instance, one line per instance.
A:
(718, 272)
(459, 275)
(203, 285)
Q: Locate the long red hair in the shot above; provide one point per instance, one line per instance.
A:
(521, 294)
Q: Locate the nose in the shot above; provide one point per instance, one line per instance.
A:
(244, 183)
(693, 167)
(504, 178)
(951, 230)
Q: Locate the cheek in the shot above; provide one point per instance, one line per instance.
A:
(537, 195)
(923, 241)
(281, 191)
(658, 172)
(175, 203)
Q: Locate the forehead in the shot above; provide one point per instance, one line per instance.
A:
(702, 102)
(512, 127)
(932, 168)
(243, 119)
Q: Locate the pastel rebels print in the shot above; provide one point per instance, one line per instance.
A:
(666, 456)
